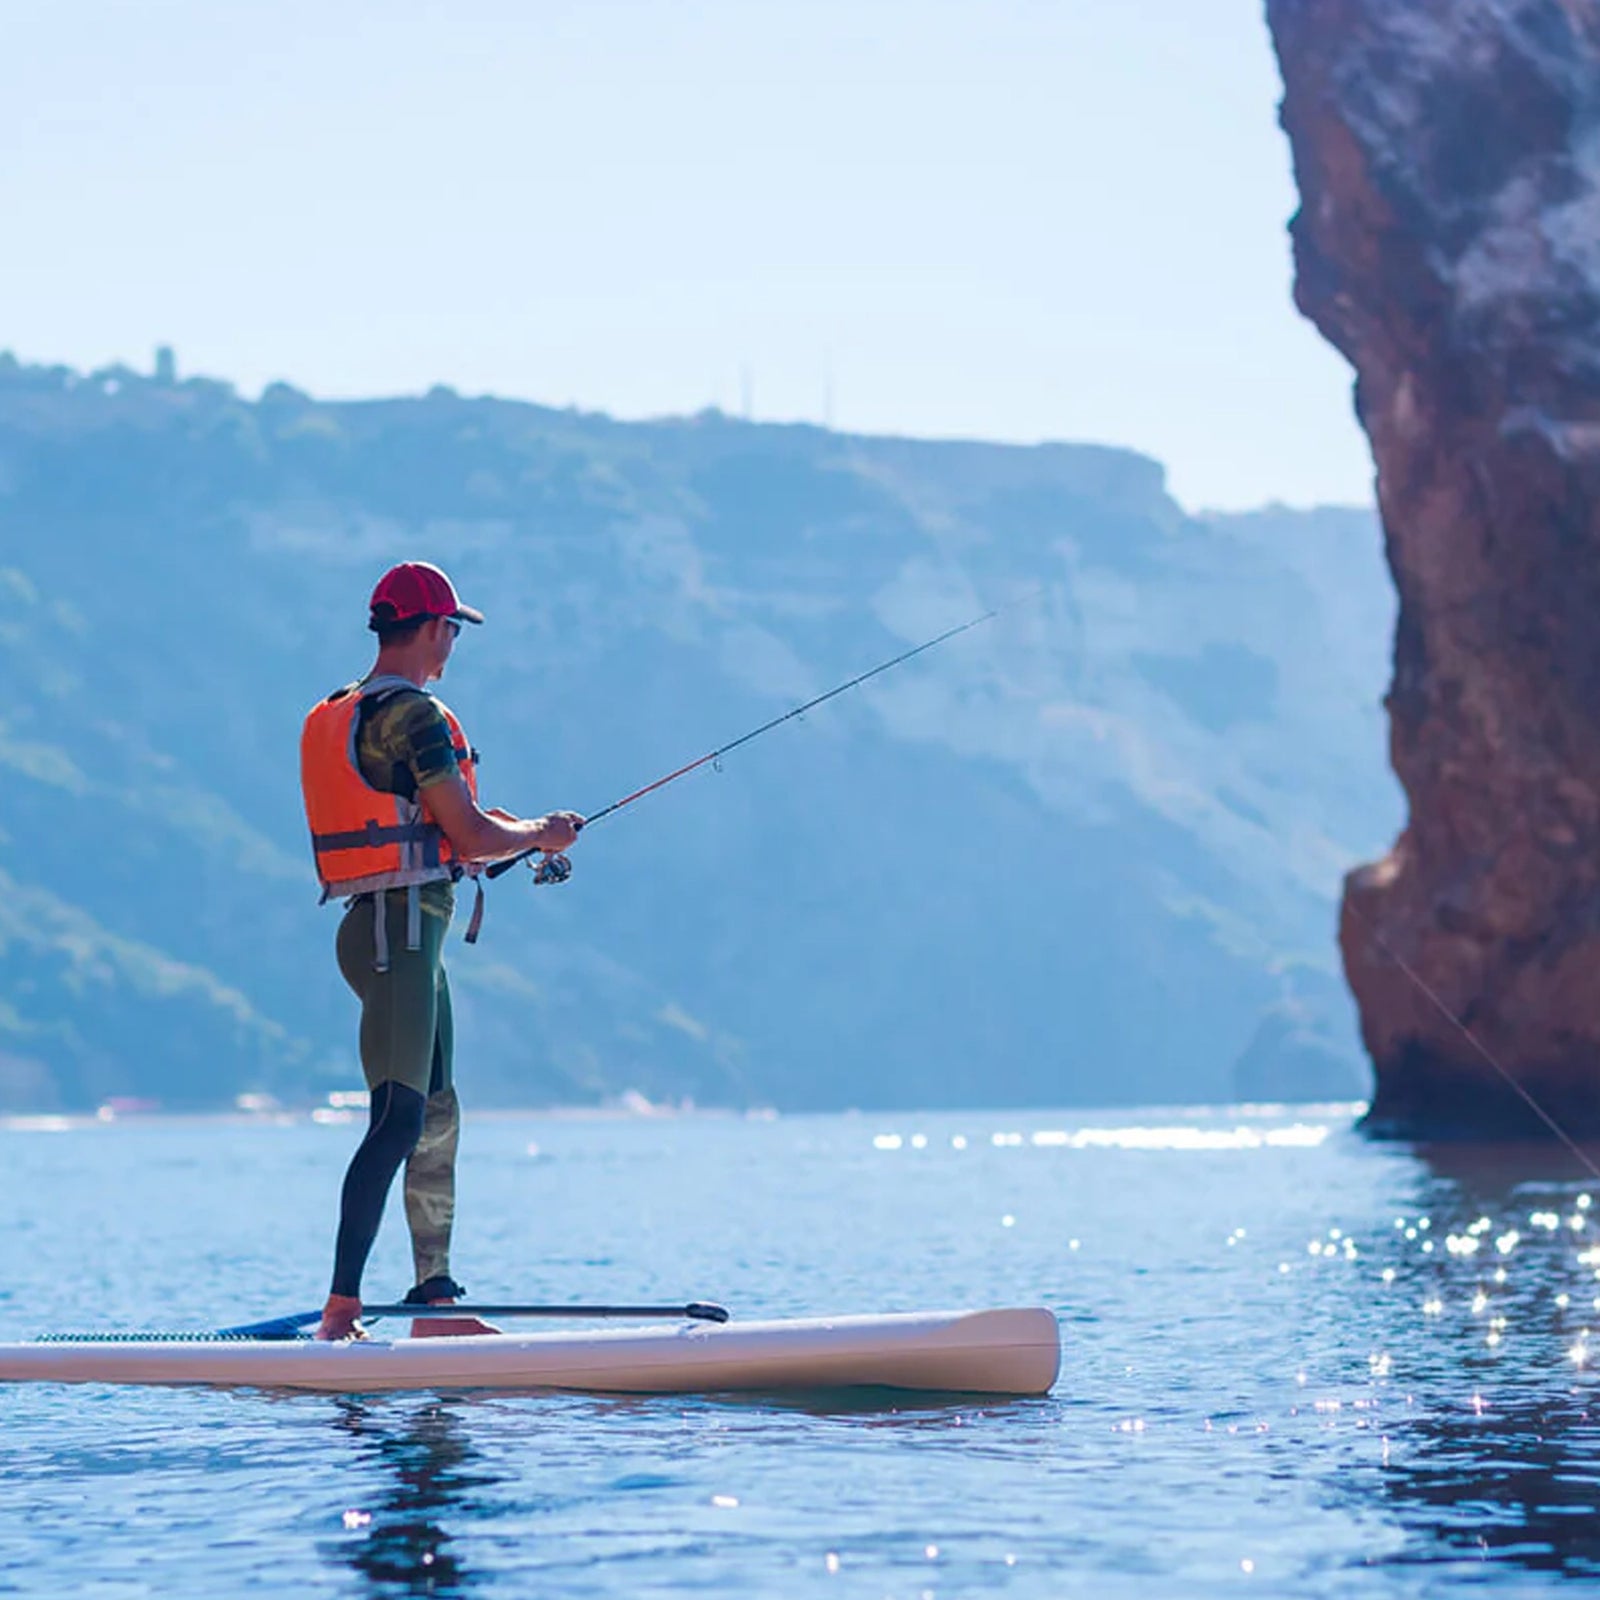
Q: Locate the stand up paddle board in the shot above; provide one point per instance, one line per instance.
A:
(1014, 1351)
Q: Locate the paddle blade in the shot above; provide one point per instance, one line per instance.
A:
(272, 1328)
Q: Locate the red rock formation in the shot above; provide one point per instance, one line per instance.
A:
(1448, 243)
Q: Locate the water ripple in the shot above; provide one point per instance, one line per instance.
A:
(1290, 1357)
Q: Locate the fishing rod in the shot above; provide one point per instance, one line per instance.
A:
(556, 868)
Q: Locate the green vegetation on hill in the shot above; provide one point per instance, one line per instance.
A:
(1088, 854)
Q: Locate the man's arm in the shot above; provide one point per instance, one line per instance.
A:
(479, 835)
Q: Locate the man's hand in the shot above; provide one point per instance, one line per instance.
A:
(557, 831)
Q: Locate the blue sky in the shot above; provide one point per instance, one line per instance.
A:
(1016, 219)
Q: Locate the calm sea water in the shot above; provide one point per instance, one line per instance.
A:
(1292, 1360)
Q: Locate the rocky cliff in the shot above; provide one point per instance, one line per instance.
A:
(1448, 243)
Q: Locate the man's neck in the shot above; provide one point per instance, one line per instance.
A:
(400, 663)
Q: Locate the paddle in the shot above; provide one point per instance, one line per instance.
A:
(289, 1327)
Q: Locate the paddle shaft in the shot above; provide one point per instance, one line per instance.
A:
(284, 1327)
(695, 1311)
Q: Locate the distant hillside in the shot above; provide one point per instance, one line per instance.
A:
(1085, 854)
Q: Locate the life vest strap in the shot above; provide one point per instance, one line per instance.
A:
(375, 833)
(476, 923)
(413, 917)
(380, 923)
(380, 933)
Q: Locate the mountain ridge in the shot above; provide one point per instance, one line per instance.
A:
(1090, 848)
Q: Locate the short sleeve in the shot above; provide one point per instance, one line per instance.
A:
(409, 733)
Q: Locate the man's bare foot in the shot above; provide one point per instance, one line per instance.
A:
(341, 1318)
(449, 1327)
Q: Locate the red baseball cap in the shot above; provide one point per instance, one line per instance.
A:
(418, 589)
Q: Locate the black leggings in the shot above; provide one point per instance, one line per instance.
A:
(393, 1128)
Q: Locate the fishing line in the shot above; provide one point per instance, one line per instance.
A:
(1471, 1038)
(549, 872)
(556, 868)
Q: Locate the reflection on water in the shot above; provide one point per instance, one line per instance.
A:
(1516, 1483)
(1494, 1444)
(428, 1475)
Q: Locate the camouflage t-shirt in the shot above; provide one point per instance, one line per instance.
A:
(403, 745)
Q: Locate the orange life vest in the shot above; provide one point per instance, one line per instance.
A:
(364, 839)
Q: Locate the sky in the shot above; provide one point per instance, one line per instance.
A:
(1013, 220)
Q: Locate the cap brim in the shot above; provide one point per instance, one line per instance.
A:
(466, 614)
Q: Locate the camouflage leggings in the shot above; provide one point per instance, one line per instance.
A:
(431, 1186)
(407, 1036)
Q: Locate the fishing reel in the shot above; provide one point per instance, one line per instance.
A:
(551, 867)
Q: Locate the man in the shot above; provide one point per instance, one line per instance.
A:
(391, 793)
